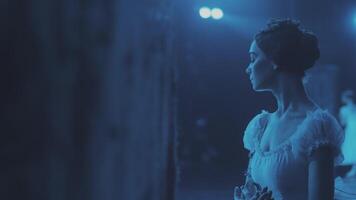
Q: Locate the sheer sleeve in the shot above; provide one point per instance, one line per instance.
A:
(321, 129)
(253, 129)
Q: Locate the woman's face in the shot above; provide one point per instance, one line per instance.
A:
(260, 70)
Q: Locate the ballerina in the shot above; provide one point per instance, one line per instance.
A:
(293, 149)
(345, 185)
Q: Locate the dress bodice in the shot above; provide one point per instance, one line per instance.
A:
(284, 169)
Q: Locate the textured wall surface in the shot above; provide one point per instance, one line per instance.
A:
(88, 100)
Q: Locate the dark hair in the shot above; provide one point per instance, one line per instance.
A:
(291, 48)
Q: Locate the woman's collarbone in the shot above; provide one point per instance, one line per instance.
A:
(274, 135)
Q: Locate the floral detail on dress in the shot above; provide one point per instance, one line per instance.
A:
(251, 191)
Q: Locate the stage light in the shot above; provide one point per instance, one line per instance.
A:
(217, 13)
(205, 12)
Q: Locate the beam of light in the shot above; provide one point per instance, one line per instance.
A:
(217, 13)
(205, 12)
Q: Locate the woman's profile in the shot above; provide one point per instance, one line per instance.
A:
(293, 149)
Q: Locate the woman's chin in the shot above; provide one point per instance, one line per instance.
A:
(258, 88)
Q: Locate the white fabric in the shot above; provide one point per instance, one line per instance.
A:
(284, 170)
(348, 118)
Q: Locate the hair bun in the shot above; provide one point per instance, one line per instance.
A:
(309, 49)
(289, 46)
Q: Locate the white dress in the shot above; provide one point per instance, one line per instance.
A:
(284, 170)
(348, 118)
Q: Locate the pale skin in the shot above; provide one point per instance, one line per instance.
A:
(292, 107)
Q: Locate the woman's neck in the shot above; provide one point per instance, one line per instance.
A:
(291, 96)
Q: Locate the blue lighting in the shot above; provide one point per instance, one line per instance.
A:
(205, 12)
(217, 13)
(354, 20)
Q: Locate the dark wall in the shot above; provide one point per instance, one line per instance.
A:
(87, 100)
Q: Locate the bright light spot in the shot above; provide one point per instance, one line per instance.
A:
(217, 13)
(205, 12)
(354, 20)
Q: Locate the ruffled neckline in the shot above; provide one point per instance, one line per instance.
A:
(286, 144)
